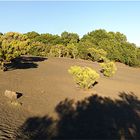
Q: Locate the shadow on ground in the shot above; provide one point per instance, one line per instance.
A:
(92, 118)
(36, 129)
(24, 62)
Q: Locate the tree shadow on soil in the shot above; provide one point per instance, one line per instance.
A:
(95, 117)
(24, 62)
(35, 128)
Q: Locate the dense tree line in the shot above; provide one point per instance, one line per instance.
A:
(98, 45)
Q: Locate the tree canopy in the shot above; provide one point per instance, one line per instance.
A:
(97, 45)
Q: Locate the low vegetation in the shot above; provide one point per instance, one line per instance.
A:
(108, 69)
(85, 77)
(97, 54)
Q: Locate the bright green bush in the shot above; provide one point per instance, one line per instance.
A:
(97, 54)
(85, 77)
(108, 68)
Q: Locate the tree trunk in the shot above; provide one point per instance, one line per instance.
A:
(3, 66)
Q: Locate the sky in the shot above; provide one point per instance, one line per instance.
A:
(80, 17)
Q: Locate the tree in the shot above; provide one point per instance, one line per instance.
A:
(83, 49)
(58, 51)
(115, 44)
(95, 36)
(69, 38)
(32, 35)
(72, 50)
(97, 54)
(49, 39)
(39, 49)
(12, 45)
(112, 48)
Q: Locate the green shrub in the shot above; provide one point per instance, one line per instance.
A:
(57, 51)
(108, 68)
(97, 54)
(38, 49)
(72, 50)
(85, 77)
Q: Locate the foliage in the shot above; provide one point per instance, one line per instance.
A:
(38, 49)
(131, 55)
(116, 46)
(83, 49)
(98, 45)
(48, 39)
(12, 45)
(58, 51)
(72, 50)
(97, 54)
(108, 68)
(85, 77)
(69, 38)
(32, 35)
